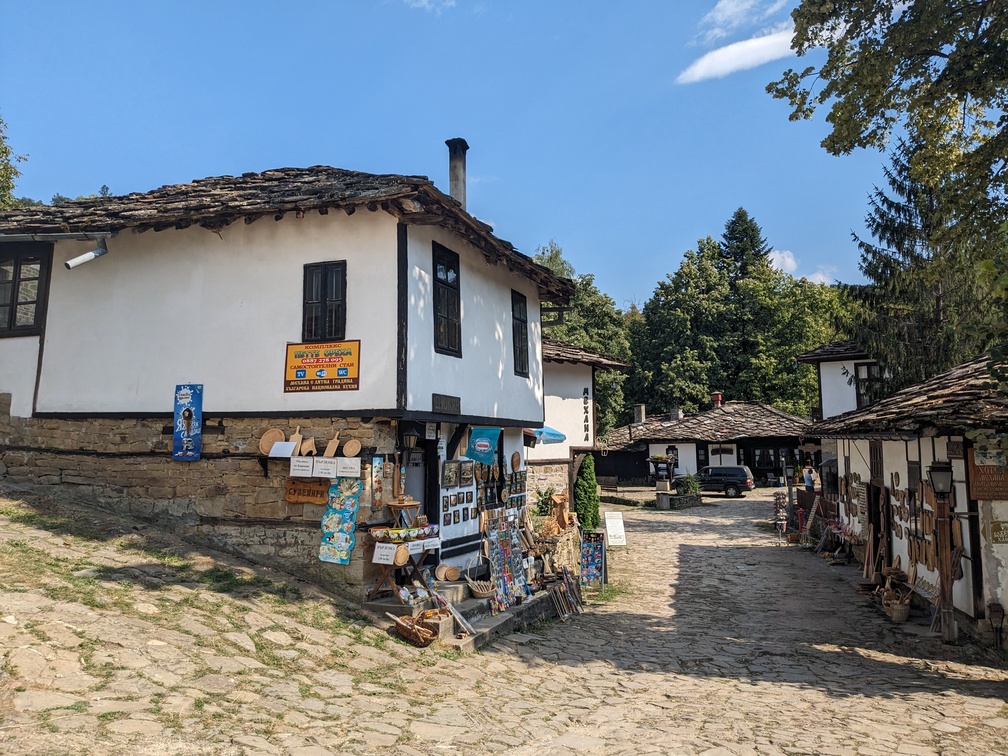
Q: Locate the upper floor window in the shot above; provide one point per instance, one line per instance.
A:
(324, 317)
(866, 382)
(519, 333)
(447, 302)
(24, 281)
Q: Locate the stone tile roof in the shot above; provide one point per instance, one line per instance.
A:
(838, 350)
(732, 420)
(559, 351)
(216, 202)
(963, 398)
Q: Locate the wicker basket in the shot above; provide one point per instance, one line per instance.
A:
(898, 612)
(480, 588)
(416, 631)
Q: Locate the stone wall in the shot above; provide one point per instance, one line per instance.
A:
(225, 498)
(543, 475)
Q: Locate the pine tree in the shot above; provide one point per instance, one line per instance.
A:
(925, 304)
(586, 498)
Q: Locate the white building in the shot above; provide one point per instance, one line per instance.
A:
(846, 375)
(883, 499)
(429, 321)
(569, 387)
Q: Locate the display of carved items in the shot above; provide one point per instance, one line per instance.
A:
(561, 511)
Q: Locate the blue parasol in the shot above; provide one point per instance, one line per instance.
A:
(547, 435)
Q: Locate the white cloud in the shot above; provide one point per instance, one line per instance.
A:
(824, 275)
(738, 56)
(727, 16)
(431, 6)
(783, 260)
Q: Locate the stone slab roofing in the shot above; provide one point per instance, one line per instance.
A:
(560, 351)
(964, 398)
(730, 421)
(838, 350)
(216, 202)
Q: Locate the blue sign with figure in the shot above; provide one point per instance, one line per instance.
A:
(187, 441)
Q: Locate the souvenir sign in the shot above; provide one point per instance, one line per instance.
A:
(432, 543)
(415, 547)
(348, 467)
(324, 467)
(302, 467)
(384, 553)
(306, 492)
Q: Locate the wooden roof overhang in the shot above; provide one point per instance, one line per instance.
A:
(959, 400)
(216, 202)
(562, 352)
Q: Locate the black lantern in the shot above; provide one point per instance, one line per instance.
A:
(996, 615)
(940, 476)
(410, 436)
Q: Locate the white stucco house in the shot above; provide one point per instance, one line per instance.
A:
(313, 299)
(846, 374)
(883, 496)
(569, 405)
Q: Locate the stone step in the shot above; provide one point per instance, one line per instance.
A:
(533, 610)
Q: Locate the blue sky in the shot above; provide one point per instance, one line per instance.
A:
(624, 131)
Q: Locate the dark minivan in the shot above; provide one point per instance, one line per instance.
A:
(732, 479)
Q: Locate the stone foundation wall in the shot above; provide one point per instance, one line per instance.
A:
(224, 498)
(543, 475)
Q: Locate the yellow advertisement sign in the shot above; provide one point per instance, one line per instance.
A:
(332, 366)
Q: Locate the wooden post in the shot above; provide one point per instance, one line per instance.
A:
(944, 547)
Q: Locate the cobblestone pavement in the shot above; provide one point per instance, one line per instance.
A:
(717, 641)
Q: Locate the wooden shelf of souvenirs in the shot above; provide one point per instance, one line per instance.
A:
(408, 537)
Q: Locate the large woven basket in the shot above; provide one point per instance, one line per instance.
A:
(416, 631)
(898, 612)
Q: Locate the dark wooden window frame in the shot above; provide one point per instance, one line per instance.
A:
(447, 303)
(864, 385)
(330, 306)
(519, 333)
(22, 254)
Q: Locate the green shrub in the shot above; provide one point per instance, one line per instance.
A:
(544, 501)
(586, 498)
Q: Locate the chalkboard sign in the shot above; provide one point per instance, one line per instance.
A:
(593, 558)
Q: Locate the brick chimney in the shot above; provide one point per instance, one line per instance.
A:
(457, 149)
(639, 415)
(715, 398)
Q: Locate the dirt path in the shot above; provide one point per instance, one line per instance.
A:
(116, 640)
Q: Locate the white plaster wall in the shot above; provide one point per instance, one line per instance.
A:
(191, 306)
(687, 456)
(18, 366)
(484, 376)
(564, 386)
(838, 396)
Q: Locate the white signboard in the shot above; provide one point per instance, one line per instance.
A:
(301, 467)
(614, 529)
(384, 553)
(432, 543)
(325, 467)
(431, 431)
(415, 547)
(347, 467)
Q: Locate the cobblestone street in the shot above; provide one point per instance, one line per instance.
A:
(715, 641)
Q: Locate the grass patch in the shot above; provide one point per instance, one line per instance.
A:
(32, 518)
(609, 592)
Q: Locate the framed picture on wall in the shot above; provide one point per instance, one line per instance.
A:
(444, 503)
(472, 513)
(450, 473)
(469, 497)
(465, 514)
(447, 518)
(454, 499)
(466, 472)
(456, 517)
